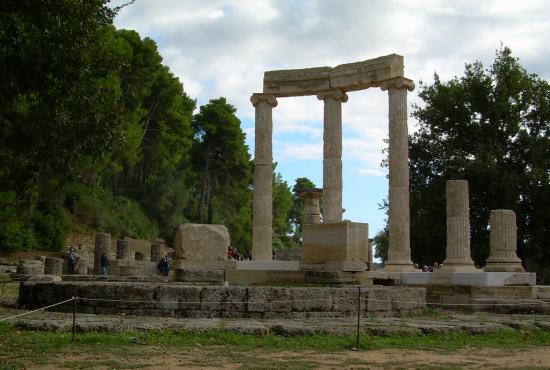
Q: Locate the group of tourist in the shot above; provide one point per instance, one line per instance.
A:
(234, 254)
(427, 268)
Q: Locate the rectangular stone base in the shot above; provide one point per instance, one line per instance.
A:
(339, 241)
(335, 266)
(301, 277)
(495, 279)
(268, 265)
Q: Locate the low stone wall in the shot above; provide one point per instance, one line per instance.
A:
(173, 299)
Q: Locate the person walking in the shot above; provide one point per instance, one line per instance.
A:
(71, 259)
(104, 264)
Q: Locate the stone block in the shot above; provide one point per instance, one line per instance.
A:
(202, 242)
(311, 299)
(378, 299)
(368, 73)
(223, 299)
(543, 292)
(405, 299)
(527, 292)
(53, 266)
(197, 275)
(257, 277)
(339, 241)
(345, 299)
(296, 82)
(269, 299)
(345, 266)
(268, 265)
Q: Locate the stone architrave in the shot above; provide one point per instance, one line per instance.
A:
(156, 252)
(123, 251)
(399, 251)
(263, 177)
(458, 228)
(312, 210)
(53, 266)
(102, 245)
(332, 154)
(201, 242)
(502, 241)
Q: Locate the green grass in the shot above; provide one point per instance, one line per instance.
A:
(20, 348)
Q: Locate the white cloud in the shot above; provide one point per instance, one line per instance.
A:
(222, 48)
(372, 172)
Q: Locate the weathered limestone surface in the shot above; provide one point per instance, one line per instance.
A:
(263, 172)
(399, 252)
(312, 209)
(332, 154)
(343, 241)
(30, 267)
(53, 266)
(211, 301)
(480, 278)
(348, 77)
(502, 241)
(200, 242)
(458, 227)
(102, 245)
(156, 252)
(123, 251)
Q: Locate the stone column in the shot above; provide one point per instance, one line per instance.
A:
(399, 250)
(102, 245)
(332, 154)
(156, 252)
(53, 266)
(312, 209)
(263, 177)
(502, 241)
(458, 228)
(123, 250)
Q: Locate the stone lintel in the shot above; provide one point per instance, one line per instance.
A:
(297, 82)
(346, 77)
(368, 73)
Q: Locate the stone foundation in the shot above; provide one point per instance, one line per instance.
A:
(248, 302)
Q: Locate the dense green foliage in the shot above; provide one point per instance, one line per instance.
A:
(297, 210)
(95, 130)
(492, 128)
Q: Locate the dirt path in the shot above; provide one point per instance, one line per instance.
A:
(199, 357)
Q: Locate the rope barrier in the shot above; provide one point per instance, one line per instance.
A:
(39, 309)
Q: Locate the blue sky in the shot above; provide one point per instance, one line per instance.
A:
(222, 48)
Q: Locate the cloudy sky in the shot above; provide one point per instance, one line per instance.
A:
(222, 48)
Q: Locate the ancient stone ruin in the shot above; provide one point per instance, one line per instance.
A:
(335, 254)
(341, 241)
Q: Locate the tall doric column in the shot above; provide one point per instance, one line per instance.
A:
(263, 177)
(332, 154)
(503, 242)
(399, 251)
(458, 227)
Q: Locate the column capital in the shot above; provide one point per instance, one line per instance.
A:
(335, 94)
(258, 97)
(397, 83)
